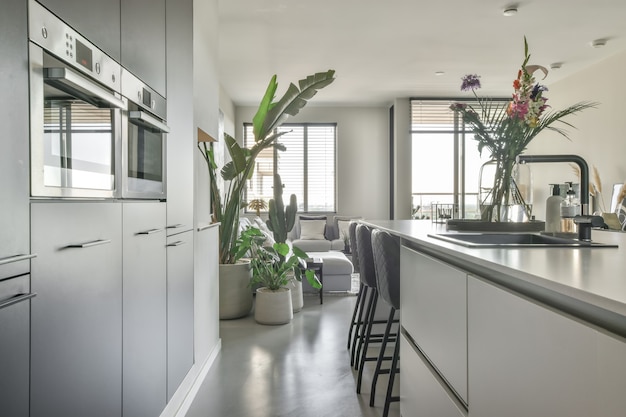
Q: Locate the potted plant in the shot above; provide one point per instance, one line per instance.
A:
(281, 220)
(226, 205)
(273, 268)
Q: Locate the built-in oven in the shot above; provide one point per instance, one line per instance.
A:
(76, 111)
(144, 131)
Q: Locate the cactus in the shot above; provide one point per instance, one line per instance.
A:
(281, 218)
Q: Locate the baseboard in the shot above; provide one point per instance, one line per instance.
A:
(185, 395)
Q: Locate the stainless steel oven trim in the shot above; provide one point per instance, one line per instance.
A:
(67, 80)
(144, 119)
(38, 189)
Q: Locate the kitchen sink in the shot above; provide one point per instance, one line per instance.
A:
(515, 240)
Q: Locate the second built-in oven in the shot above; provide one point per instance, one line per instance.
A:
(143, 141)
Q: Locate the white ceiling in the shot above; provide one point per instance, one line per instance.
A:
(382, 50)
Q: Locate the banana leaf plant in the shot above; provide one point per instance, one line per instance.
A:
(226, 206)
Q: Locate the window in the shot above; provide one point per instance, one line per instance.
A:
(306, 167)
(445, 161)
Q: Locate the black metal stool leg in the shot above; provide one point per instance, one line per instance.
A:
(381, 355)
(363, 330)
(353, 322)
(392, 377)
(358, 326)
(366, 341)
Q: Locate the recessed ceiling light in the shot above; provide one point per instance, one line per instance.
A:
(598, 43)
(556, 65)
(510, 11)
(438, 73)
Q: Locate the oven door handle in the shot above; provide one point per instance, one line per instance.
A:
(82, 88)
(144, 119)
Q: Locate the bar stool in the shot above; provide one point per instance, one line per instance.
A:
(368, 278)
(386, 251)
(356, 320)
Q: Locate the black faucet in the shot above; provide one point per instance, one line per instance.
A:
(584, 174)
(585, 223)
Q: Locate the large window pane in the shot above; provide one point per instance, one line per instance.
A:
(306, 167)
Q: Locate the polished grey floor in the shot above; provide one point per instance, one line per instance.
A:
(300, 369)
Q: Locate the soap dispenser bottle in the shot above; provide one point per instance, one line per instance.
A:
(553, 210)
(570, 208)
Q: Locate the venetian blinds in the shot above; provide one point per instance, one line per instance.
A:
(306, 167)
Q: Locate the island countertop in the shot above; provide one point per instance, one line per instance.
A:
(588, 283)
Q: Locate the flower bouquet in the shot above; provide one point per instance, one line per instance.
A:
(505, 128)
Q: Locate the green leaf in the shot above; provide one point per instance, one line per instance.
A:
(281, 248)
(258, 120)
(295, 99)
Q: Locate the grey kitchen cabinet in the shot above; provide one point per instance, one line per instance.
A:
(98, 21)
(143, 41)
(14, 346)
(181, 147)
(144, 306)
(180, 306)
(14, 141)
(422, 393)
(76, 318)
(434, 314)
(529, 360)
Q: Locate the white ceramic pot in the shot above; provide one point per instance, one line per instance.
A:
(273, 307)
(297, 299)
(235, 292)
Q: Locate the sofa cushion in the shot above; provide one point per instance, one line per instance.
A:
(313, 245)
(312, 229)
(298, 226)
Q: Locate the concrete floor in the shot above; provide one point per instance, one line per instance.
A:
(301, 369)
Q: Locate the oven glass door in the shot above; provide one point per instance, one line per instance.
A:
(79, 145)
(145, 156)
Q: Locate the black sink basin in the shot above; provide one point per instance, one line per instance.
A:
(506, 240)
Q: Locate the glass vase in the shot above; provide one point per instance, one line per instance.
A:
(505, 191)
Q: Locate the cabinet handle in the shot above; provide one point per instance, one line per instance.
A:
(207, 226)
(89, 244)
(177, 243)
(149, 232)
(175, 226)
(17, 258)
(16, 299)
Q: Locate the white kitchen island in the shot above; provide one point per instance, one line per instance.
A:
(491, 332)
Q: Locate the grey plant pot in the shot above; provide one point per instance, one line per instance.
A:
(235, 294)
(273, 307)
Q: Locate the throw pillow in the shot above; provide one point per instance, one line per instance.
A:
(344, 232)
(312, 229)
(309, 217)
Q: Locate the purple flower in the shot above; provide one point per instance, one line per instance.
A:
(470, 82)
(537, 89)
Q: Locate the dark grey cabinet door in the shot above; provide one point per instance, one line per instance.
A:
(14, 343)
(14, 140)
(76, 318)
(144, 304)
(143, 41)
(179, 309)
(97, 20)
(181, 147)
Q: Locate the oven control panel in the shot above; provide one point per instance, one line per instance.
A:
(60, 40)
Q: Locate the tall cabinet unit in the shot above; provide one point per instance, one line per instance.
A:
(181, 150)
(144, 309)
(76, 318)
(15, 251)
(14, 140)
(98, 21)
(143, 41)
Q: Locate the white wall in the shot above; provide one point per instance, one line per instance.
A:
(599, 136)
(362, 155)
(206, 115)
